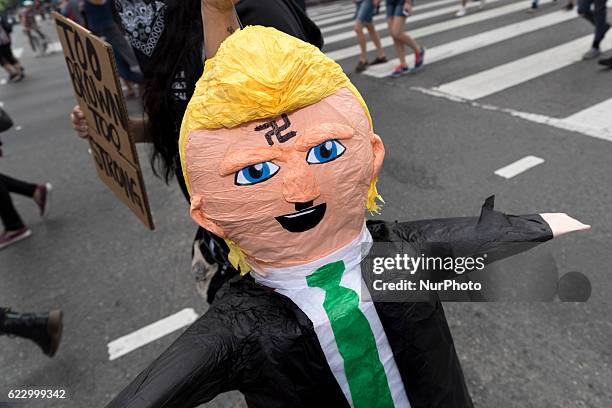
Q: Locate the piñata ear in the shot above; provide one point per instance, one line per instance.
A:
(378, 150)
(199, 216)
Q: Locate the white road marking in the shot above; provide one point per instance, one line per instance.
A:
(412, 19)
(481, 40)
(570, 123)
(313, 13)
(598, 117)
(519, 166)
(18, 52)
(324, 8)
(348, 12)
(519, 71)
(150, 333)
(354, 50)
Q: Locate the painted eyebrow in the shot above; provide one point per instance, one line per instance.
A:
(321, 133)
(238, 159)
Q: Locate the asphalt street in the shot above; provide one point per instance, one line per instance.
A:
(93, 259)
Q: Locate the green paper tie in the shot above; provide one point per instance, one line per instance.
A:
(356, 343)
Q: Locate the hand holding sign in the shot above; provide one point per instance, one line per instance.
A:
(79, 122)
(102, 115)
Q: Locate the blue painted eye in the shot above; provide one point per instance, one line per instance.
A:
(325, 152)
(256, 173)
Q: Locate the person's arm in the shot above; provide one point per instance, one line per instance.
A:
(219, 22)
(137, 126)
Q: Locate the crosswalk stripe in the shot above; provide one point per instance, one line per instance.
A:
(516, 72)
(483, 39)
(419, 17)
(320, 11)
(436, 28)
(321, 8)
(597, 117)
(570, 123)
(340, 13)
(382, 16)
(519, 166)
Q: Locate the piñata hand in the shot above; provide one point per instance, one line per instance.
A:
(561, 223)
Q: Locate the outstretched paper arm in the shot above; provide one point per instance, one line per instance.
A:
(495, 234)
(193, 370)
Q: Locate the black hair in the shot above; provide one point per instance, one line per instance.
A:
(180, 48)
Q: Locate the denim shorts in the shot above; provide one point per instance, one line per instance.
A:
(364, 11)
(395, 8)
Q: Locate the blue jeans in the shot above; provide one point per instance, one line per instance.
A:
(364, 11)
(395, 8)
(595, 12)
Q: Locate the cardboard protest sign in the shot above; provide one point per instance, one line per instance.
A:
(93, 72)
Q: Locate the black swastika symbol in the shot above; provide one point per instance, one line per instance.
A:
(277, 130)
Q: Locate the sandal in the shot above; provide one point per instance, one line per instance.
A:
(379, 60)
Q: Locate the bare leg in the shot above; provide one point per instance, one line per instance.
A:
(8, 68)
(399, 46)
(380, 51)
(399, 34)
(362, 41)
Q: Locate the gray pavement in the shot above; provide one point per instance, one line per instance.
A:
(111, 276)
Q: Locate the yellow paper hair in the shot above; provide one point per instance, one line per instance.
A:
(373, 195)
(259, 73)
(236, 257)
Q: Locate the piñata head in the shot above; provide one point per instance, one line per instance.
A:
(278, 151)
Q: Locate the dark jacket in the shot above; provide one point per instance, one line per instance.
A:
(259, 342)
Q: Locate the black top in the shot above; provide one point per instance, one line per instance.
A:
(259, 342)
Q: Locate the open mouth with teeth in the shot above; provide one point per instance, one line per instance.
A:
(304, 219)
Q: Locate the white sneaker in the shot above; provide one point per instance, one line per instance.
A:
(462, 12)
(591, 54)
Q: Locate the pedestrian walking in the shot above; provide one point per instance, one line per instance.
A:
(73, 9)
(8, 61)
(38, 41)
(364, 18)
(101, 22)
(463, 7)
(44, 329)
(595, 12)
(14, 228)
(397, 11)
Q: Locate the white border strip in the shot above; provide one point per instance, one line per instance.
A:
(128, 343)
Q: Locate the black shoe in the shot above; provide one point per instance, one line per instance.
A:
(569, 6)
(361, 66)
(379, 60)
(607, 62)
(43, 329)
